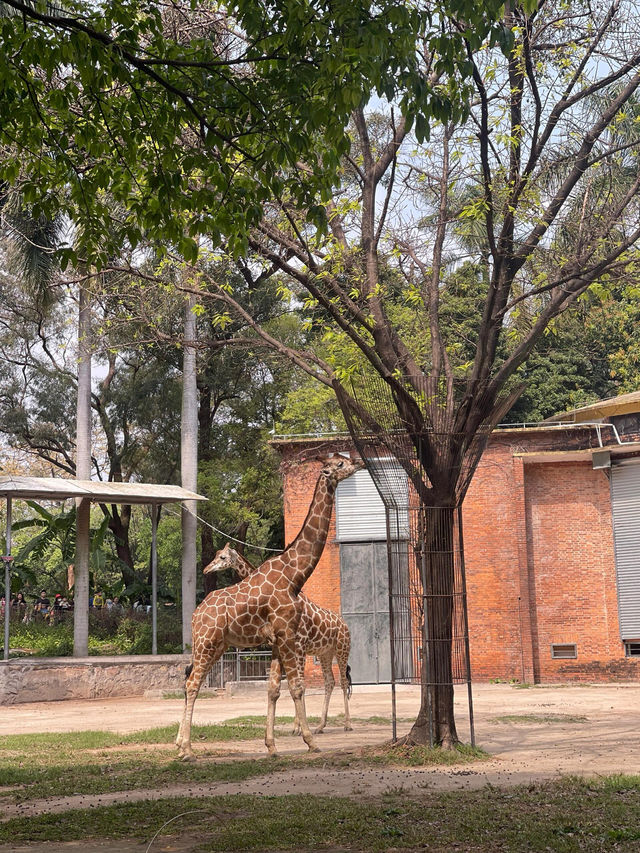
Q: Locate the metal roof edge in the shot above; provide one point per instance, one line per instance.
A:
(59, 488)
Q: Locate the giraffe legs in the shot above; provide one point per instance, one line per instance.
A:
(273, 694)
(345, 683)
(329, 682)
(300, 657)
(195, 676)
(289, 661)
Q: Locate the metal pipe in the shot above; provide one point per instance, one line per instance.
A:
(154, 579)
(465, 616)
(560, 425)
(7, 582)
(392, 651)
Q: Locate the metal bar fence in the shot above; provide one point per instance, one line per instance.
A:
(239, 665)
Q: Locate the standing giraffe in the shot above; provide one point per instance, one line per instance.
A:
(265, 606)
(320, 632)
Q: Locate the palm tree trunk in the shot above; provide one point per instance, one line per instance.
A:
(189, 470)
(83, 472)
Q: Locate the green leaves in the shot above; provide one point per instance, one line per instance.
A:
(191, 134)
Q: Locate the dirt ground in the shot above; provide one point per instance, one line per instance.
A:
(606, 742)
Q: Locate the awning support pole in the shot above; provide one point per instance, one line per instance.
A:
(154, 579)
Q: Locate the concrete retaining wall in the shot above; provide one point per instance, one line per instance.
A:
(50, 679)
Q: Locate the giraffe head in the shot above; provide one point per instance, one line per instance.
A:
(228, 558)
(337, 468)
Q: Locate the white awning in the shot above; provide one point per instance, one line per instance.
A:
(58, 489)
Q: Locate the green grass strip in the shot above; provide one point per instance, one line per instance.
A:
(567, 816)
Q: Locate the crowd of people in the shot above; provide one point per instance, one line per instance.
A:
(52, 612)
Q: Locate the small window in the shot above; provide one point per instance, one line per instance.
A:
(564, 651)
(632, 650)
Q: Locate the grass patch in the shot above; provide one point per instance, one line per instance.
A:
(95, 762)
(539, 718)
(422, 756)
(337, 720)
(566, 816)
(44, 743)
(110, 770)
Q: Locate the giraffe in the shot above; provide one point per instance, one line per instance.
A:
(265, 604)
(320, 632)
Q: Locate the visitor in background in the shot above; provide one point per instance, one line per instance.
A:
(19, 604)
(42, 606)
(98, 600)
(56, 613)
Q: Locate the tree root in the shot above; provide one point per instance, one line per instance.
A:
(410, 741)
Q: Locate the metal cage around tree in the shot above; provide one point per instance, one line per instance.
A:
(429, 633)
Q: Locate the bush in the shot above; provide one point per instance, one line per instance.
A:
(43, 640)
(109, 634)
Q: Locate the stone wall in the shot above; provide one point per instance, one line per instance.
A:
(50, 679)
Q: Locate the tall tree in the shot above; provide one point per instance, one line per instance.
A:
(539, 161)
(538, 153)
(189, 467)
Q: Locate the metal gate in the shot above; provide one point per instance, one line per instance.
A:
(364, 586)
(239, 665)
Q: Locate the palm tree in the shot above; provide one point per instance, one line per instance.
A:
(33, 242)
(189, 468)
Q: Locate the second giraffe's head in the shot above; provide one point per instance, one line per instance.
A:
(228, 558)
(337, 468)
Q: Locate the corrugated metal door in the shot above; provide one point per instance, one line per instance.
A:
(364, 587)
(625, 506)
(360, 512)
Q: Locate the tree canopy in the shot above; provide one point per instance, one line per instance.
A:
(191, 115)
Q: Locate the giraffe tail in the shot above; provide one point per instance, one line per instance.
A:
(187, 672)
(349, 682)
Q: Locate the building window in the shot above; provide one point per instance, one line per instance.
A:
(564, 651)
(632, 650)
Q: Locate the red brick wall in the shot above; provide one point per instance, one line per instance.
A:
(539, 560)
(493, 520)
(572, 573)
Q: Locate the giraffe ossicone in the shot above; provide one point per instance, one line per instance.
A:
(266, 603)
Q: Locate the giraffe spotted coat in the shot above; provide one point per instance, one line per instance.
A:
(266, 607)
(320, 632)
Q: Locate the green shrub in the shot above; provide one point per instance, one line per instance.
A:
(109, 634)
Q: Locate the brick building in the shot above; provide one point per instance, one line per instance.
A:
(551, 550)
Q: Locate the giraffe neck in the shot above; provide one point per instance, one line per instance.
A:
(301, 557)
(243, 567)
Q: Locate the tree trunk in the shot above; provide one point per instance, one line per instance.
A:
(435, 724)
(83, 472)
(189, 470)
(119, 526)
